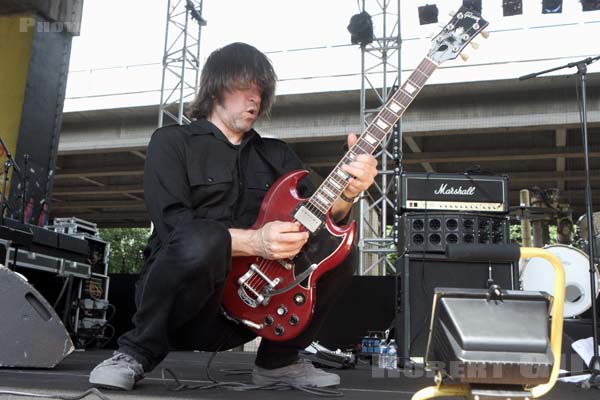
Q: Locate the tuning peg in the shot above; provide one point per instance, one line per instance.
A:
(464, 56)
(475, 45)
(485, 34)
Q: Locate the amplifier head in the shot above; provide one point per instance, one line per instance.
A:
(454, 192)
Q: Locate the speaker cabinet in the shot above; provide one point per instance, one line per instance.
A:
(419, 275)
(33, 336)
(430, 232)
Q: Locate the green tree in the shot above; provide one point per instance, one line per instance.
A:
(126, 248)
(516, 237)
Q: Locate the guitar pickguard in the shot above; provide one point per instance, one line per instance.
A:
(320, 246)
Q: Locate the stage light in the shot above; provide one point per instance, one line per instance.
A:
(474, 5)
(361, 29)
(551, 6)
(512, 7)
(590, 5)
(428, 14)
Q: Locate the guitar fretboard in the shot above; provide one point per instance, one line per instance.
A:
(335, 183)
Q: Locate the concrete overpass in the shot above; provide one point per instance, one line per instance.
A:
(528, 130)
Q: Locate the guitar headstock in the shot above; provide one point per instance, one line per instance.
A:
(462, 28)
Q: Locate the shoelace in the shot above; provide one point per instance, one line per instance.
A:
(133, 363)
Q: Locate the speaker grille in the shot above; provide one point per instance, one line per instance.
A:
(431, 232)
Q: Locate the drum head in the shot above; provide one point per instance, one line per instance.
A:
(538, 275)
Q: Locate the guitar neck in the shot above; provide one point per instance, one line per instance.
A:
(377, 130)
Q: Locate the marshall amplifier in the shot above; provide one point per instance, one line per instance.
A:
(430, 232)
(454, 192)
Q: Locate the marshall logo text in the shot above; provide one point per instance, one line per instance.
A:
(444, 189)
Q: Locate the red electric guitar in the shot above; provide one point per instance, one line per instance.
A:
(276, 298)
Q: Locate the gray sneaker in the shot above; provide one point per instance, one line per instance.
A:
(300, 373)
(121, 372)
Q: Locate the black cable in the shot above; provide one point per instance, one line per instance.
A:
(478, 170)
(239, 386)
(114, 311)
(92, 391)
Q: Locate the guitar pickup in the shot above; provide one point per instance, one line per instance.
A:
(309, 220)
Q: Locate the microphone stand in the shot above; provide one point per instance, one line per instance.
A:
(10, 162)
(25, 186)
(594, 365)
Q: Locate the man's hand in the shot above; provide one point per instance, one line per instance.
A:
(278, 240)
(363, 170)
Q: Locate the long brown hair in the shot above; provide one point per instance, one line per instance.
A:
(231, 67)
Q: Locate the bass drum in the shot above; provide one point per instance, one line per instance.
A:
(538, 275)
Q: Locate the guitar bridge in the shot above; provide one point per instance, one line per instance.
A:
(251, 294)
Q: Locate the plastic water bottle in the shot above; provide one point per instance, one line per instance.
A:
(391, 358)
(375, 346)
(383, 350)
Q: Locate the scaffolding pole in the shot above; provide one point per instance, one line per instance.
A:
(181, 65)
(380, 73)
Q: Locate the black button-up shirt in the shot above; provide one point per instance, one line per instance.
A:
(193, 171)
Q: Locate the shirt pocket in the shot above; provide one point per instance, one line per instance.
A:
(258, 185)
(211, 189)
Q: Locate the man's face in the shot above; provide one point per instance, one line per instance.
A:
(238, 109)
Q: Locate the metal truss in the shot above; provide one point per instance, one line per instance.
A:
(181, 66)
(380, 71)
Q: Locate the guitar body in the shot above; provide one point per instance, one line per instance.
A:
(284, 316)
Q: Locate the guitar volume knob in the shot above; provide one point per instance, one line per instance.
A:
(279, 330)
(269, 320)
(294, 319)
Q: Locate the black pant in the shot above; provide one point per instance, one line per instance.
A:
(178, 299)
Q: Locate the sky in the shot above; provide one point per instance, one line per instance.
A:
(116, 59)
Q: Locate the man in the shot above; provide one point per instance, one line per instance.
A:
(203, 186)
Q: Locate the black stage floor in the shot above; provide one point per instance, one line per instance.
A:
(363, 382)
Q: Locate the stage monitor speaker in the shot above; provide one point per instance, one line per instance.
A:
(419, 276)
(33, 336)
(486, 337)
